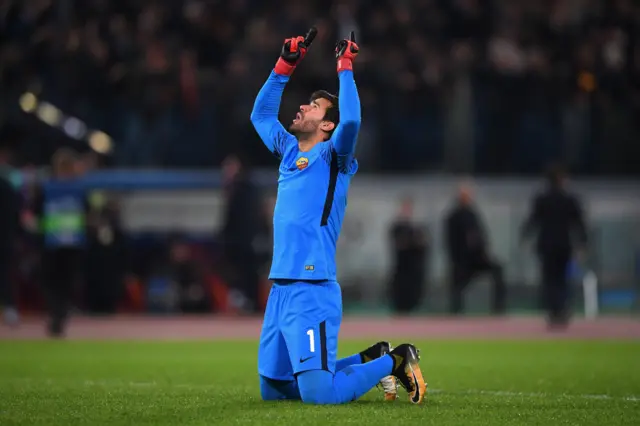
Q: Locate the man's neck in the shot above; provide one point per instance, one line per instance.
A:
(307, 143)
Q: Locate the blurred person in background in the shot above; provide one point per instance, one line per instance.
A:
(187, 278)
(468, 252)
(9, 224)
(30, 247)
(106, 261)
(557, 219)
(263, 244)
(242, 226)
(62, 211)
(410, 250)
(106, 255)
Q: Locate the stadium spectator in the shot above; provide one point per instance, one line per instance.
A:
(492, 86)
(243, 218)
(9, 225)
(468, 250)
(62, 212)
(105, 265)
(410, 251)
(188, 278)
(263, 244)
(555, 217)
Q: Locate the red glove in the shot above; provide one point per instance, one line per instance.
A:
(293, 50)
(346, 52)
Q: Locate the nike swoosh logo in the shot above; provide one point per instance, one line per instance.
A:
(416, 397)
(305, 359)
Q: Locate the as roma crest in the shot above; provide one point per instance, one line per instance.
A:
(302, 163)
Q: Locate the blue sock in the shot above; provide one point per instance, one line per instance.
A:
(350, 360)
(349, 384)
(271, 389)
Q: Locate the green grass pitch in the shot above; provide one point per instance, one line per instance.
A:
(215, 383)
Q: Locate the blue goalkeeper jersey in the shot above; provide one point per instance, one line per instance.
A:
(312, 185)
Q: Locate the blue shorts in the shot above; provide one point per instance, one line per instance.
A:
(300, 329)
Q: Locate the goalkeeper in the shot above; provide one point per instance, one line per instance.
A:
(297, 357)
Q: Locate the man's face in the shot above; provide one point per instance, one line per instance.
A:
(65, 168)
(230, 168)
(465, 194)
(180, 252)
(310, 118)
(406, 209)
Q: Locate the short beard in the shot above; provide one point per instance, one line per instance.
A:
(302, 131)
(299, 133)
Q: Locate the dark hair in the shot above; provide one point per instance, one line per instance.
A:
(332, 113)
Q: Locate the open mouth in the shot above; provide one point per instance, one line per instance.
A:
(298, 117)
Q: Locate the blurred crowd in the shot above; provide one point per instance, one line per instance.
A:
(63, 247)
(488, 86)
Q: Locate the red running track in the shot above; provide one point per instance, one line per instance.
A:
(215, 327)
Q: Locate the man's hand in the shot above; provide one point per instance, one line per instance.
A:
(346, 52)
(293, 51)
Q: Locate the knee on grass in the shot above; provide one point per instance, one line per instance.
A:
(316, 387)
(274, 390)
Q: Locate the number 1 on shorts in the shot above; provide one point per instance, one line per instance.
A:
(312, 343)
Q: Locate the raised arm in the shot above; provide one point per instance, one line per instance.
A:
(346, 134)
(264, 115)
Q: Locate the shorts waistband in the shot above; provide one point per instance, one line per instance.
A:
(291, 281)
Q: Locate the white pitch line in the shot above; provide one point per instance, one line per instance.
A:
(512, 394)
(506, 394)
